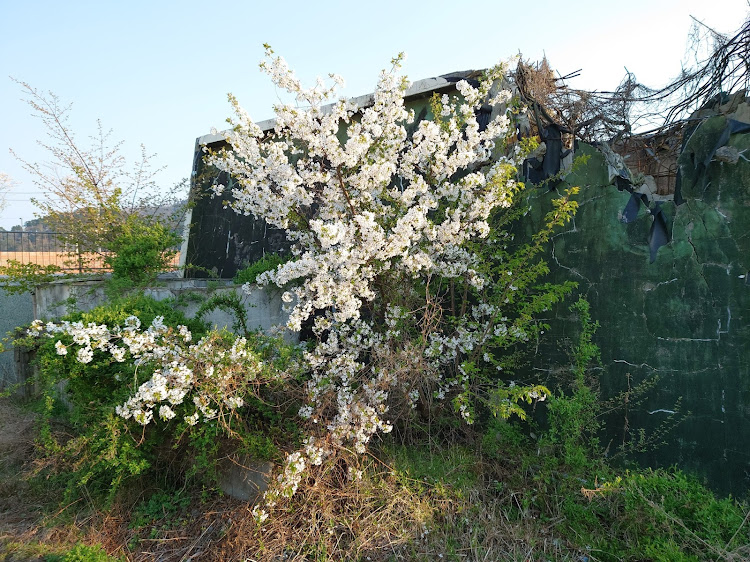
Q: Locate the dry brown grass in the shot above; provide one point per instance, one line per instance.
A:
(353, 508)
(337, 516)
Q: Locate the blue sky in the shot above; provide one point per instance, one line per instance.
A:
(157, 72)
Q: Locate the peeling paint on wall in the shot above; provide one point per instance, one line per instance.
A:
(680, 310)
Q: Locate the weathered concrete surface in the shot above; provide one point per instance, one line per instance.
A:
(263, 306)
(15, 310)
(53, 300)
(244, 478)
(685, 317)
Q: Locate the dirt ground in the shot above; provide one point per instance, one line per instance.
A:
(31, 530)
(18, 514)
(16, 446)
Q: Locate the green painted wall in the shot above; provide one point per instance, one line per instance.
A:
(685, 317)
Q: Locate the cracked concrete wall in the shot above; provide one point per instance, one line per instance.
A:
(685, 317)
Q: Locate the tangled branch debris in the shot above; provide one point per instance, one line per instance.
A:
(721, 65)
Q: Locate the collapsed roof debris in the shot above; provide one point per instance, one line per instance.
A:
(547, 165)
(650, 165)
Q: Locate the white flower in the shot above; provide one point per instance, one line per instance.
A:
(259, 514)
(143, 417)
(84, 355)
(118, 353)
(35, 328)
(60, 348)
(166, 413)
(157, 325)
(234, 402)
(185, 333)
(81, 338)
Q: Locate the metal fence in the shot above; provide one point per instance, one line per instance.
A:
(50, 248)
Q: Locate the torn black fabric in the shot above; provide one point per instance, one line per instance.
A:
(483, 115)
(658, 236)
(533, 171)
(537, 171)
(553, 139)
(630, 213)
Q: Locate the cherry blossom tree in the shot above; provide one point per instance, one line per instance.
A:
(387, 229)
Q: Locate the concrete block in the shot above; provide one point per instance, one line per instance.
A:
(244, 478)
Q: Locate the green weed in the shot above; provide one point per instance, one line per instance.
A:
(83, 553)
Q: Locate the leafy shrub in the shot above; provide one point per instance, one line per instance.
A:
(162, 505)
(17, 278)
(104, 381)
(662, 514)
(268, 262)
(231, 303)
(100, 378)
(102, 452)
(141, 250)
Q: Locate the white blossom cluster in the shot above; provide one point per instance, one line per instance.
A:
(212, 373)
(373, 210)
